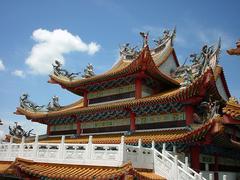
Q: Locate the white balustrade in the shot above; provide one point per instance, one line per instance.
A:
(163, 163)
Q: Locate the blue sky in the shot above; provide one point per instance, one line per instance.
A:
(33, 33)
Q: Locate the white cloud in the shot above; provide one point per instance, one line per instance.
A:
(2, 67)
(19, 73)
(52, 45)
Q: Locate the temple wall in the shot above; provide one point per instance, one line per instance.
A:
(146, 91)
(169, 65)
(221, 89)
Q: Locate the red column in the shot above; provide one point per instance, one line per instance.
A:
(48, 129)
(215, 167)
(85, 99)
(138, 88)
(132, 121)
(78, 127)
(195, 158)
(189, 114)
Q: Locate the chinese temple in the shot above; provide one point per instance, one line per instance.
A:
(146, 100)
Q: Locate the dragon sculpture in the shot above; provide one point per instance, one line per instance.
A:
(54, 104)
(25, 103)
(128, 52)
(88, 71)
(19, 132)
(59, 71)
(199, 63)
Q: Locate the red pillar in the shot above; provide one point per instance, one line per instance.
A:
(85, 99)
(189, 114)
(48, 129)
(78, 127)
(138, 88)
(132, 121)
(215, 167)
(195, 158)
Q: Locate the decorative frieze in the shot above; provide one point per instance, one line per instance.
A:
(63, 127)
(112, 91)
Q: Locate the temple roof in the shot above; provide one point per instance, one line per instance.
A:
(143, 63)
(64, 171)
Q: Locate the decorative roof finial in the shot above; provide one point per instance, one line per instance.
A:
(59, 71)
(128, 52)
(235, 51)
(145, 38)
(88, 71)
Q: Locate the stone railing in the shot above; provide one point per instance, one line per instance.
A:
(163, 163)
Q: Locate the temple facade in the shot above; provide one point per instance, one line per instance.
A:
(186, 110)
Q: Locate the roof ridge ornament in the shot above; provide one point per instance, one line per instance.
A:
(128, 52)
(145, 38)
(54, 104)
(18, 131)
(161, 42)
(199, 63)
(88, 71)
(59, 71)
(233, 100)
(27, 104)
(235, 51)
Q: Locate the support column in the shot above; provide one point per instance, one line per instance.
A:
(85, 99)
(48, 130)
(138, 88)
(189, 114)
(78, 127)
(215, 167)
(195, 158)
(132, 121)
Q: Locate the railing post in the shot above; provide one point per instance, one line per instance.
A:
(174, 150)
(153, 154)
(164, 149)
(122, 152)
(61, 149)
(90, 148)
(35, 147)
(186, 164)
(224, 177)
(10, 146)
(175, 167)
(139, 143)
(153, 145)
(140, 152)
(200, 175)
(22, 146)
(210, 176)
